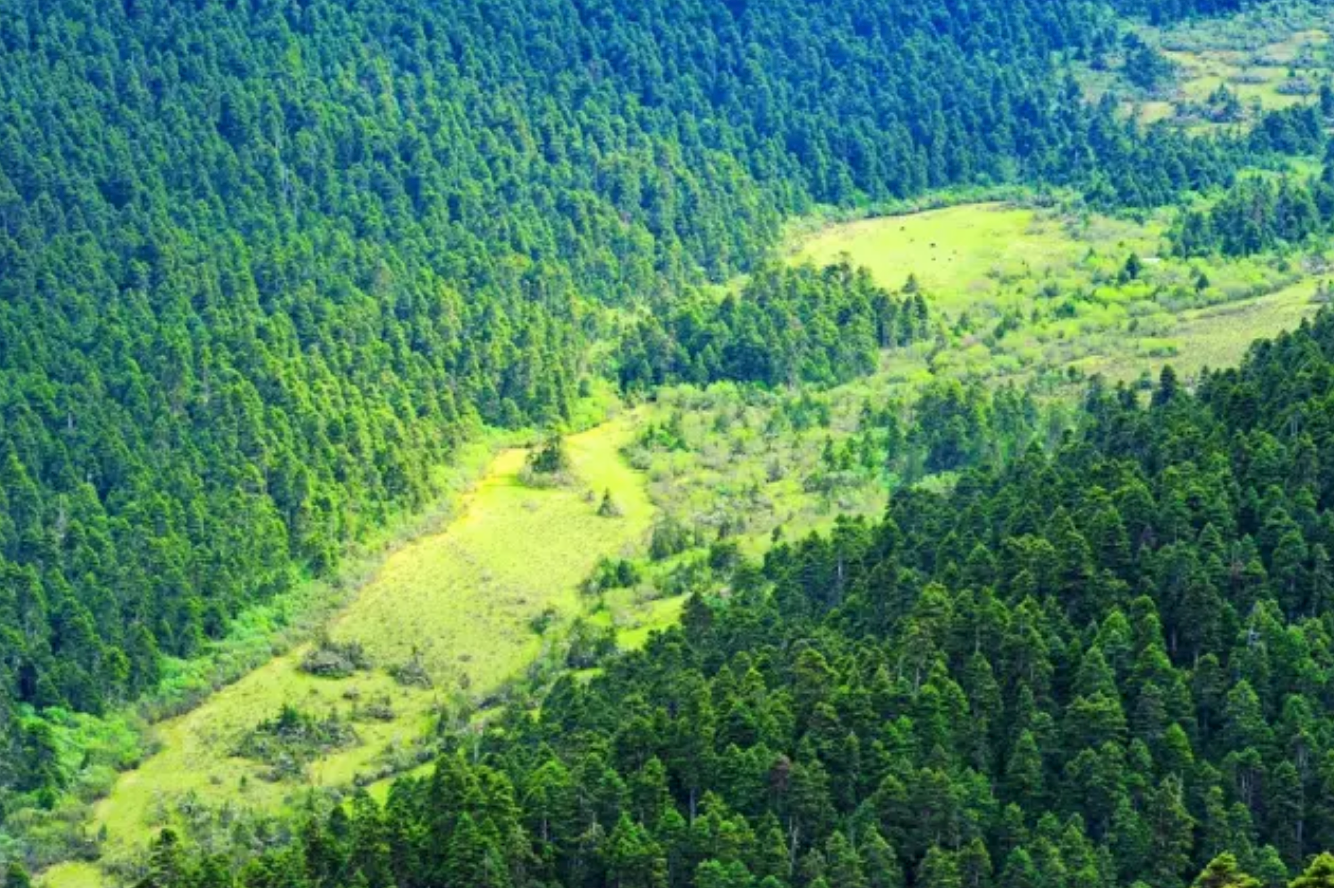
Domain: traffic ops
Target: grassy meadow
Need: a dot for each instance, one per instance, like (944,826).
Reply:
(1271,58)
(956,253)
(1032,291)
(1022,294)
(460,602)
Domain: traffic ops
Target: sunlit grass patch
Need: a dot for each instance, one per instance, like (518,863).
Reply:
(459,602)
(953,253)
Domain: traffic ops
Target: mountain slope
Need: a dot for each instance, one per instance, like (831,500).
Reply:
(1107,666)
(263,265)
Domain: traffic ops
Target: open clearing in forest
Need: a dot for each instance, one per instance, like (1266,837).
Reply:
(1220,335)
(1020,294)
(1275,75)
(460,600)
(955,253)
(1027,291)
(1270,58)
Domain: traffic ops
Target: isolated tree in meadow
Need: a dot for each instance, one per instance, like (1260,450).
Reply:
(1133,268)
(551,458)
(608,507)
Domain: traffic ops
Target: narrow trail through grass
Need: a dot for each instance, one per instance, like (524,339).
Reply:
(460,601)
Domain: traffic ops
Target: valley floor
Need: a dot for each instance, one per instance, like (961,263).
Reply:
(1020,293)
(1030,290)
(459,601)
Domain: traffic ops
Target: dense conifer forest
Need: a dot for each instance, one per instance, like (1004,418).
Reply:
(786,326)
(265,263)
(266,266)
(1256,215)
(1106,666)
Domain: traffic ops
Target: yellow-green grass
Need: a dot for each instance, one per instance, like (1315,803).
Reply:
(1060,277)
(1204,71)
(968,254)
(635,620)
(1153,111)
(658,616)
(1219,336)
(975,254)
(740,473)
(952,252)
(79,874)
(461,599)
(1252,57)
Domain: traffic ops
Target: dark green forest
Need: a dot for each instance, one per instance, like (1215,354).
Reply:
(786,326)
(1108,665)
(1255,214)
(265,264)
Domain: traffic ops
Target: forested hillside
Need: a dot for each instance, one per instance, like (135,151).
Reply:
(1255,215)
(786,326)
(1107,666)
(263,264)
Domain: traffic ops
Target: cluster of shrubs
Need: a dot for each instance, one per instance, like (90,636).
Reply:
(411,673)
(335,659)
(292,739)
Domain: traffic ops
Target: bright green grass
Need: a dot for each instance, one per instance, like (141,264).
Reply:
(735,472)
(76,874)
(1219,336)
(986,258)
(461,598)
(1057,274)
(1059,277)
(657,616)
(1254,75)
(955,253)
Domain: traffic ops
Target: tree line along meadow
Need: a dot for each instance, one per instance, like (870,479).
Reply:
(265,266)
